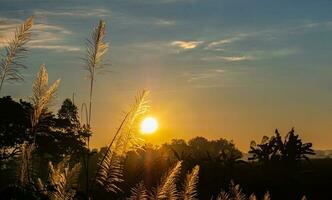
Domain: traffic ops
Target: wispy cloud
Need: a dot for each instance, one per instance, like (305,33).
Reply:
(7,27)
(129,19)
(208,74)
(218,44)
(236,58)
(206,78)
(275,53)
(48,27)
(229,58)
(167,1)
(45,36)
(51,37)
(59,48)
(76,12)
(222,42)
(162,22)
(186,44)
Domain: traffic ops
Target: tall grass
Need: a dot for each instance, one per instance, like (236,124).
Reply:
(42,95)
(167,189)
(24,173)
(110,170)
(235,193)
(96,49)
(190,185)
(11,64)
(63,179)
(139,192)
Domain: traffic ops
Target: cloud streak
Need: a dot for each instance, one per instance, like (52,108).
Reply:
(186,44)
(45,36)
(78,12)
(194,77)
(229,58)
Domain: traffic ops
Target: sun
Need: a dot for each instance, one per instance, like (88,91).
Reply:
(149,125)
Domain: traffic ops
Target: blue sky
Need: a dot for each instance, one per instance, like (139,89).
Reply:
(219,68)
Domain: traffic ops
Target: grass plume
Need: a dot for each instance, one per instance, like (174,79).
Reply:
(190,185)
(267,196)
(139,192)
(42,95)
(96,49)
(167,189)
(25,165)
(63,179)
(223,196)
(11,64)
(110,171)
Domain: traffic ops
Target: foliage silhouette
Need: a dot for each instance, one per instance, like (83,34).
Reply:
(289,152)
(14,125)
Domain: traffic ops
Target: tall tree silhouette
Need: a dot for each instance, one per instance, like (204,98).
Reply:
(294,149)
(289,151)
(14,122)
(61,135)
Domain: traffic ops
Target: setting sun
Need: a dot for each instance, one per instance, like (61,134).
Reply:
(149,125)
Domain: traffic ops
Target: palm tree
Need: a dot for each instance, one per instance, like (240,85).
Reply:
(289,151)
(294,149)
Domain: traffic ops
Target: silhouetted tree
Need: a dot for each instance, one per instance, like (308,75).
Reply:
(61,135)
(294,150)
(289,151)
(68,115)
(14,125)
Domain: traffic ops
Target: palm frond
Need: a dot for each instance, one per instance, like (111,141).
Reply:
(11,64)
(25,166)
(42,95)
(110,172)
(190,186)
(139,192)
(63,179)
(167,189)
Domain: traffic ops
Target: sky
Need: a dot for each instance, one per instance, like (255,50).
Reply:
(234,69)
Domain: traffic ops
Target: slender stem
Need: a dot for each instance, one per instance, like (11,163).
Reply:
(88,139)
(108,149)
(90,101)
(2,79)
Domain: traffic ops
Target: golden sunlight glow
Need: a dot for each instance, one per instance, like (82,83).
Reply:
(149,125)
